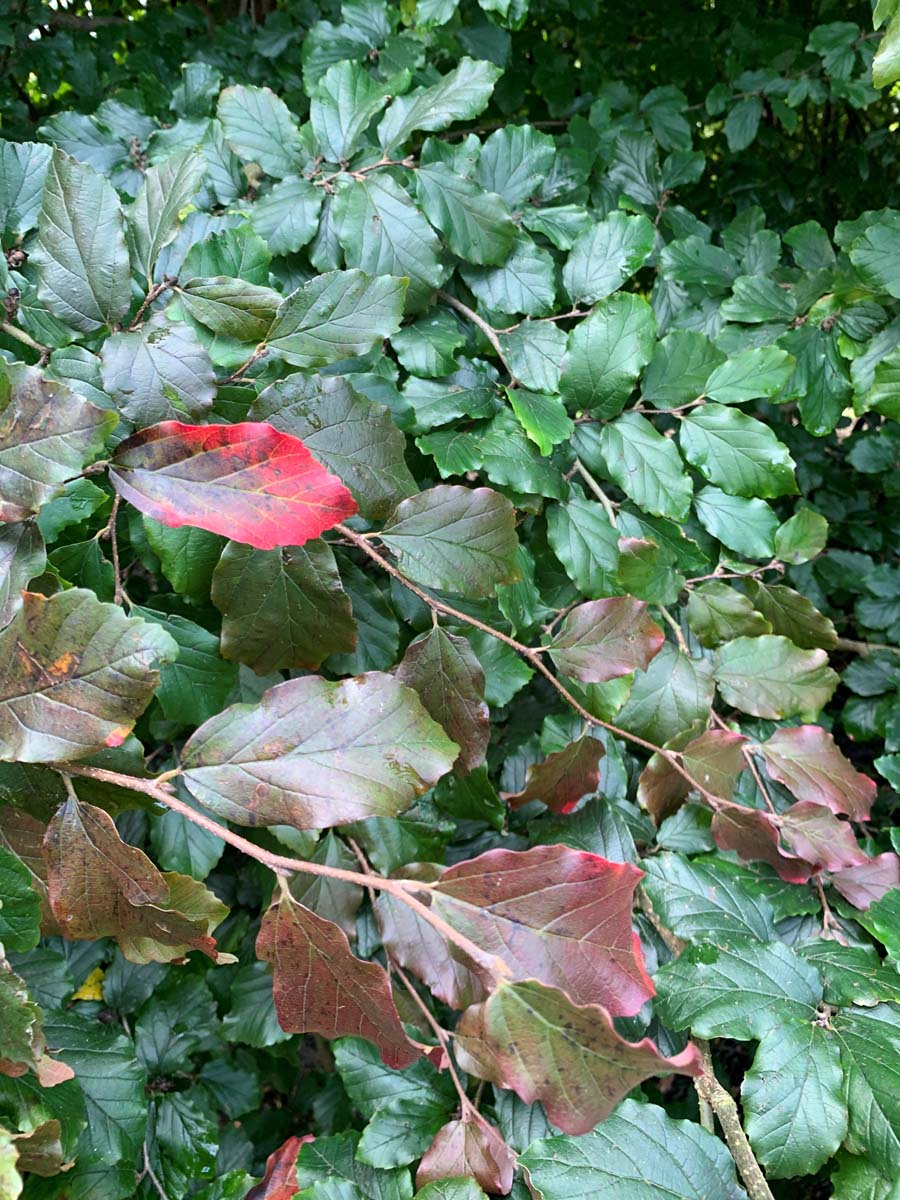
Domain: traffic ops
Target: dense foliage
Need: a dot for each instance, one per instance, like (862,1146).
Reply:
(449,672)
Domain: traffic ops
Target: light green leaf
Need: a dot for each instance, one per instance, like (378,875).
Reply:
(287,217)
(745,526)
(342,106)
(460,539)
(606,353)
(231,307)
(259,128)
(607,255)
(761,371)
(460,95)
(586,544)
(794,1111)
(525,283)
(337,316)
(769,676)
(159,373)
(737,452)
(154,216)
(81,256)
(740,991)
(476,224)
(543,418)
(23,168)
(646,466)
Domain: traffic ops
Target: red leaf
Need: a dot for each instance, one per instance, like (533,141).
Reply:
(810,765)
(551,913)
(754,835)
(713,759)
(280,1179)
(563,777)
(469,1148)
(605,639)
(864,884)
(819,837)
(532,1039)
(248,482)
(320,986)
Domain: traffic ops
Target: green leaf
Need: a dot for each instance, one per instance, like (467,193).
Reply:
(534,351)
(543,418)
(699,903)
(770,677)
(20,908)
(428,347)
(76,675)
(794,1111)
(525,283)
(23,168)
(187,556)
(199,682)
(460,95)
(287,217)
(514,162)
(868,1039)
(81,257)
(740,991)
(881,920)
(336,316)
(333,1161)
(182,846)
(737,452)
(160,373)
(342,106)
(742,123)
(792,615)
(745,526)
(231,307)
(718,613)
(680,368)
(606,256)
(757,299)
(112,1082)
(666,699)
(282,608)
(640,1151)
(443,670)
(353,437)
(260,129)
(153,218)
(459,539)
(801,537)
(606,353)
(876,254)
(761,371)
(511,458)
(382,232)
(476,224)
(287,761)
(22,557)
(586,544)
(646,466)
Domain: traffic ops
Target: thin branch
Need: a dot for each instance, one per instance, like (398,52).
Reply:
(533,657)
(488,330)
(863,648)
(282,865)
(675,627)
(711,1096)
(722,1103)
(466,1105)
(597,490)
(260,352)
(758,779)
(26,339)
(151,1175)
(110,532)
(831,929)
(152,296)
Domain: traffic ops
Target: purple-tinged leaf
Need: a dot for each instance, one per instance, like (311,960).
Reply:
(809,764)
(714,759)
(867,882)
(563,777)
(605,639)
(469,1148)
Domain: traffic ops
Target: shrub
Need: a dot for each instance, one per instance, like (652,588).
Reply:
(449,688)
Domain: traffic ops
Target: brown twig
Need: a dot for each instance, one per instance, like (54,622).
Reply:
(466,1105)
(260,352)
(747,752)
(109,531)
(402,889)
(26,339)
(488,330)
(533,657)
(598,491)
(152,296)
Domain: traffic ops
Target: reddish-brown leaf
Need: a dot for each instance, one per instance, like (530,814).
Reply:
(99,886)
(280,1179)
(714,759)
(605,639)
(320,986)
(248,482)
(534,1040)
(449,679)
(754,836)
(816,835)
(469,1148)
(809,764)
(862,885)
(24,836)
(563,777)
(551,913)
